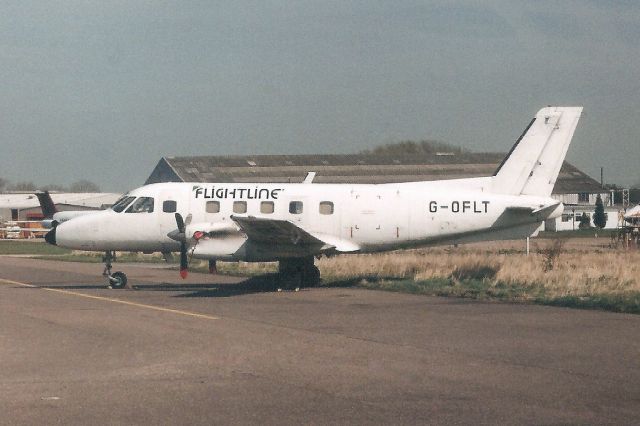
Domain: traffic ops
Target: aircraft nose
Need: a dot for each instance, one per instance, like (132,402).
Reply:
(50,237)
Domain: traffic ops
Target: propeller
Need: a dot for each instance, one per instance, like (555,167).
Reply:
(184,263)
(180,235)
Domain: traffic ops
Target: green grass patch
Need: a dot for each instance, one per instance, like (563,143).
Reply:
(624,303)
(30,247)
(487,289)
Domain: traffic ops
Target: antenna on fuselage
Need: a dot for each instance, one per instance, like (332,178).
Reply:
(310,177)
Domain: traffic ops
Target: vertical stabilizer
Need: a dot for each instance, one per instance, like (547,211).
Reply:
(46,204)
(533,164)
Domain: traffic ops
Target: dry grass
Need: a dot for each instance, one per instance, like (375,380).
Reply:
(580,270)
(575,272)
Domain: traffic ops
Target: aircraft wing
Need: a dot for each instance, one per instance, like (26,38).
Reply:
(278,233)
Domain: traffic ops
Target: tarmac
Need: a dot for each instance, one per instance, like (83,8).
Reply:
(224,350)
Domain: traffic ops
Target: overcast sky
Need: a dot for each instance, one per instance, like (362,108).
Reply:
(101,90)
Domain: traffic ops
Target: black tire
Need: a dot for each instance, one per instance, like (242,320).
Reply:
(290,280)
(312,277)
(118,280)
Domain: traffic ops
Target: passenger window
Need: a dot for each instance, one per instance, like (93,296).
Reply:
(122,203)
(169,206)
(239,206)
(326,207)
(266,207)
(295,207)
(213,207)
(141,205)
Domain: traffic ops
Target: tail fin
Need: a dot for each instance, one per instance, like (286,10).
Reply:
(533,164)
(46,204)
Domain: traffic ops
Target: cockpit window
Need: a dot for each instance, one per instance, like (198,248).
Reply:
(122,203)
(141,205)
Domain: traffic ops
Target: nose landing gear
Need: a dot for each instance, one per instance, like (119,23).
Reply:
(117,280)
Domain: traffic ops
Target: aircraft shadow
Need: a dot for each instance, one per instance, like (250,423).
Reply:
(267,283)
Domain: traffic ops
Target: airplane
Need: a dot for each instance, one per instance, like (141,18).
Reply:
(632,216)
(53,217)
(293,223)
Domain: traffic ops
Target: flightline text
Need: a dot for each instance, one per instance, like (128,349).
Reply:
(256,193)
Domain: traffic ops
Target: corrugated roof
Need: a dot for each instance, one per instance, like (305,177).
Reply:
(349,168)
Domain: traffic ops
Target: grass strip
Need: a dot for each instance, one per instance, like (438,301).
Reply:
(489,290)
(8,247)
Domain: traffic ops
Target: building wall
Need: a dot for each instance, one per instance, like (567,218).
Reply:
(582,199)
(570,219)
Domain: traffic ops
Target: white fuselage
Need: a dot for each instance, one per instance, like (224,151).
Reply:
(352,218)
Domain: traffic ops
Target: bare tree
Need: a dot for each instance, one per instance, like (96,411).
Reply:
(84,186)
(22,186)
(3,184)
(54,187)
(414,148)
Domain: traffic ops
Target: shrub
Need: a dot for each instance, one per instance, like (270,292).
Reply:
(476,271)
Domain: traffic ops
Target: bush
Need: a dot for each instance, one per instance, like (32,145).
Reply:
(475,272)
(585,221)
(551,254)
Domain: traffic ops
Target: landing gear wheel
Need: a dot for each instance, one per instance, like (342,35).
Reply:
(118,280)
(291,281)
(312,277)
(298,273)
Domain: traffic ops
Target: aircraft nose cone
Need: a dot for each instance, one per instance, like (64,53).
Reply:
(50,237)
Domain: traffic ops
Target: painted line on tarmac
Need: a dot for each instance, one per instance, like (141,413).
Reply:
(112,300)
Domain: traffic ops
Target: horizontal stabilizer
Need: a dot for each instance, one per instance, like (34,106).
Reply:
(540,212)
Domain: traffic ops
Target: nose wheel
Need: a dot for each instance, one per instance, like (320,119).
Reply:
(117,280)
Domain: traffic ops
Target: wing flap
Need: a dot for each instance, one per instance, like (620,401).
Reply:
(276,232)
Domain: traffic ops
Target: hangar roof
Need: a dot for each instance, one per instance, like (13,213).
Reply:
(354,168)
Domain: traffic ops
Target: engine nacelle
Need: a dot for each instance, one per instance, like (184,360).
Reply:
(209,230)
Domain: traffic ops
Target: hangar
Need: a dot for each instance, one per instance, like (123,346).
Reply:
(574,188)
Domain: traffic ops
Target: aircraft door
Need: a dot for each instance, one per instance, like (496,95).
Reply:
(325,216)
(374,218)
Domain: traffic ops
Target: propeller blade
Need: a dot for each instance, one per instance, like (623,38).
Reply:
(184,262)
(180,222)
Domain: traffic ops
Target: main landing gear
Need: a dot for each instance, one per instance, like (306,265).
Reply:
(117,279)
(297,273)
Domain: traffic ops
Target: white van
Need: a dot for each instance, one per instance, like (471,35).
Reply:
(13,232)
